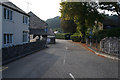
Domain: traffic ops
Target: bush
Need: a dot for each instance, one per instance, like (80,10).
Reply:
(60,36)
(114,32)
(76,38)
(65,36)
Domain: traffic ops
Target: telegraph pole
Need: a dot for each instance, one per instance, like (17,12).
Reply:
(28,5)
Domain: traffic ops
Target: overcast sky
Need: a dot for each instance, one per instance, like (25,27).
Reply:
(44,9)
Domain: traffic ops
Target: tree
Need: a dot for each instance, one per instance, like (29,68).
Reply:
(68,26)
(84,15)
(110,6)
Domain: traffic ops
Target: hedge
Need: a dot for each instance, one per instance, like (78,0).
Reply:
(76,37)
(114,32)
(65,36)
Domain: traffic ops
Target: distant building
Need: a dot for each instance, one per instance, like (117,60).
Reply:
(51,36)
(38,28)
(14,26)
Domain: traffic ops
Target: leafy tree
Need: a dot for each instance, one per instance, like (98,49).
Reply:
(84,15)
(68,26)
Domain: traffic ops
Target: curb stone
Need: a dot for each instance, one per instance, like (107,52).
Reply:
(100,53)
(104,55)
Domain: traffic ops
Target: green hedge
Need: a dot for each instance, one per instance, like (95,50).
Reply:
(114,32)
(76,37)
(65,36)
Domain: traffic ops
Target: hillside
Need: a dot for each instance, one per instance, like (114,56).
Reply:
(54,23)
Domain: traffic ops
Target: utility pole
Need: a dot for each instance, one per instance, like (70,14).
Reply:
(28,4)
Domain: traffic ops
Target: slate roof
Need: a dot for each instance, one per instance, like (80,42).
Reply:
(13,7)
(50,32)
(36,22)
(37,31)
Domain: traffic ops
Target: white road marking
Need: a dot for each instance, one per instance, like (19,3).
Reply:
(65,56)
(72,76)
(66,48)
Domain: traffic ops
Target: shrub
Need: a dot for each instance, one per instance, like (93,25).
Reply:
(76,38)
(65,36)
(114,32)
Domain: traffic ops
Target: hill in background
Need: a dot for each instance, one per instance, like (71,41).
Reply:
(54,23)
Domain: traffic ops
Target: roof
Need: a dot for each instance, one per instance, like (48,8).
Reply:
(37,31)
(12,6)
(50,32)
(36,22)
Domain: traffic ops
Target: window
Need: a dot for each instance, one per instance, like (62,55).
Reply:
(8,38)
(8,14)
(5,38)
(25,36)
(26,20)
(5,12)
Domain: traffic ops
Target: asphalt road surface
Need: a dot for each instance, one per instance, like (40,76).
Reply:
(62,60)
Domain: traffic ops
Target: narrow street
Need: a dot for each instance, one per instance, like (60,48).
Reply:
(62,60)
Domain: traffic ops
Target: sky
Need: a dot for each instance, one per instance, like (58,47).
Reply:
(44,9)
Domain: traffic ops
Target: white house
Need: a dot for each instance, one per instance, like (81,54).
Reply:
(0,27)
(15,25)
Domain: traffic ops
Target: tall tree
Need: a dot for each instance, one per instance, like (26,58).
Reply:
(68,26)
(84,14)
(110,6)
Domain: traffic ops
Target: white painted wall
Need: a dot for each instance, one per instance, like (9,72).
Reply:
(16,27)
(0,40)
(0,26)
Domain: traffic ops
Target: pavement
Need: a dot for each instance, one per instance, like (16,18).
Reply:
(62,60)
(97,52)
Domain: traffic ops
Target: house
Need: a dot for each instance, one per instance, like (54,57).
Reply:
(38,28)
(51,36)
(14,26)
(0,27)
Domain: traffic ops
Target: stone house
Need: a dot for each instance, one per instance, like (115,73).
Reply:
(38,28)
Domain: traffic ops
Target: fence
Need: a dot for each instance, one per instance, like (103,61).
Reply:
(19,50)
(110,45)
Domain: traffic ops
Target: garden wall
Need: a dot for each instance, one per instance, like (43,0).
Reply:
(110,45)
(21,50)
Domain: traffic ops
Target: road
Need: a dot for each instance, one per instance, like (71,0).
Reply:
(62,60)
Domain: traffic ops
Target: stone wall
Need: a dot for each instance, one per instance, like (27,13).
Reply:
(19,50)
(110,45)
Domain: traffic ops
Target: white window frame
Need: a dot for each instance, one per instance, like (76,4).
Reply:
(26,37)
(26,20)
(10,41)
(10,16)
